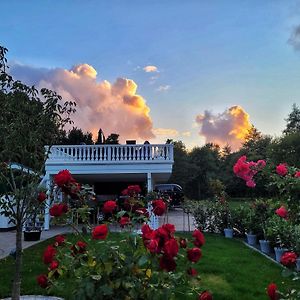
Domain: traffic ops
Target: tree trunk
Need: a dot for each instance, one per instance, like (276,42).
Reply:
(16,289)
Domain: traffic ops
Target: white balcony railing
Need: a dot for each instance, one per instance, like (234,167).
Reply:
(111,153)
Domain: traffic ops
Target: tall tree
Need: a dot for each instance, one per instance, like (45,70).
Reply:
(293,121)
(27,123)
(100,138)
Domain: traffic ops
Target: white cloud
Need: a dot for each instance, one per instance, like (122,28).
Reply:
(150,69)
(163,88)
(166,132)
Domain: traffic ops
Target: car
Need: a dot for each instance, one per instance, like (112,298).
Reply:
(174,191)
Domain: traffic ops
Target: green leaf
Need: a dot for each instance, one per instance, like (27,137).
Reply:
(143,260)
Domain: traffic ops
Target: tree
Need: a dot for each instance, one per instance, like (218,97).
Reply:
(112,139)
(27,123)
(293,121)
(100,138)
(76,137)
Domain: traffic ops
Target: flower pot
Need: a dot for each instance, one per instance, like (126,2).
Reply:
(251,239)
(298,264)
(228,233)
(265,246)
(34,297)
(279,252)
(32,235)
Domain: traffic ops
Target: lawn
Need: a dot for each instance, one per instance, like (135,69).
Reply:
(229,269)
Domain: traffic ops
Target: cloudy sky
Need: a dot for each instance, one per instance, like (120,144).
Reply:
(197,71)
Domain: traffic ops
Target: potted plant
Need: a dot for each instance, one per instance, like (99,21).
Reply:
(280,234)
(251,227)
(225,217)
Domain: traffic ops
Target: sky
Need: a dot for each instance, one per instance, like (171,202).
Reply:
(196,71)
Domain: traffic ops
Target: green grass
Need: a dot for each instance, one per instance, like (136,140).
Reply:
(229,269)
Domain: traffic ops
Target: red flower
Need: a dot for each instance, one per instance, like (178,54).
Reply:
(152,245)
(54,265)
(147,232)
(288,259)
(170,228)
(194,254)
(281,169)
(124,221)
(100,232)
(62,178)
(109,206)
(192,272)
(251,183)
(205,296)
(42,281)
(182,243)
(272,291)
(80,247)
(58,209)
(199,238)
(124,192)
(59,240)
(171,247)
(297,174)
(41,197)
(49,254)
(133,189)
(282,212)
(167,263)
(159,207)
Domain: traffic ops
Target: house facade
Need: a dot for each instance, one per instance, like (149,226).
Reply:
(110,165)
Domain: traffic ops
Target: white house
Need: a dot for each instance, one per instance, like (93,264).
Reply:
(148,163)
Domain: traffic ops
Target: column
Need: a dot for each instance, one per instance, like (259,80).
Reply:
(149,182)
(48,202)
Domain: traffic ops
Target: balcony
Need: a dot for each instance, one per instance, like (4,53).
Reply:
(111,154)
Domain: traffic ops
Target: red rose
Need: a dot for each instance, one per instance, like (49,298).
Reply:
(80,247)
(281,169)
(54,265)
(192,272)
(272,291)
(251,183)
(171,247)
(133,189)
(297,174)
(41,197)
(152,245)
(49,254)
(59,240)
(282,212)
(62,178)
(205,296)
(167,263)
(199,238)
(147,232)
(58,209)
(124,221)
(194,254)
(109,206)
(100,232)
(42,281)
(182,243)
(288,259)
(170,228)
(159,207)
(124,192)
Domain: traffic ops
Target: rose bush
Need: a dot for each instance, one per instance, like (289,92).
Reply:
(135,267)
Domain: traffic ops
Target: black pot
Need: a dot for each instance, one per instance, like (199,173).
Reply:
(32,235)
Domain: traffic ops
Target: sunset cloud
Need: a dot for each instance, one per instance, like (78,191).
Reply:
(150,69)
(114,107)
(229,127)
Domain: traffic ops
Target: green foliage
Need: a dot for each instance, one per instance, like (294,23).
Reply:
(76,136)
(113,139)
(293,121)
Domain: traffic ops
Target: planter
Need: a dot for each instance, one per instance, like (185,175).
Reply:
(265,246)
(298,264)
(228,233)
(251,239)
(279,252)
(32,235)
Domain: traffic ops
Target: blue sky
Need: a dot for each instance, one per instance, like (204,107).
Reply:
(210,55)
